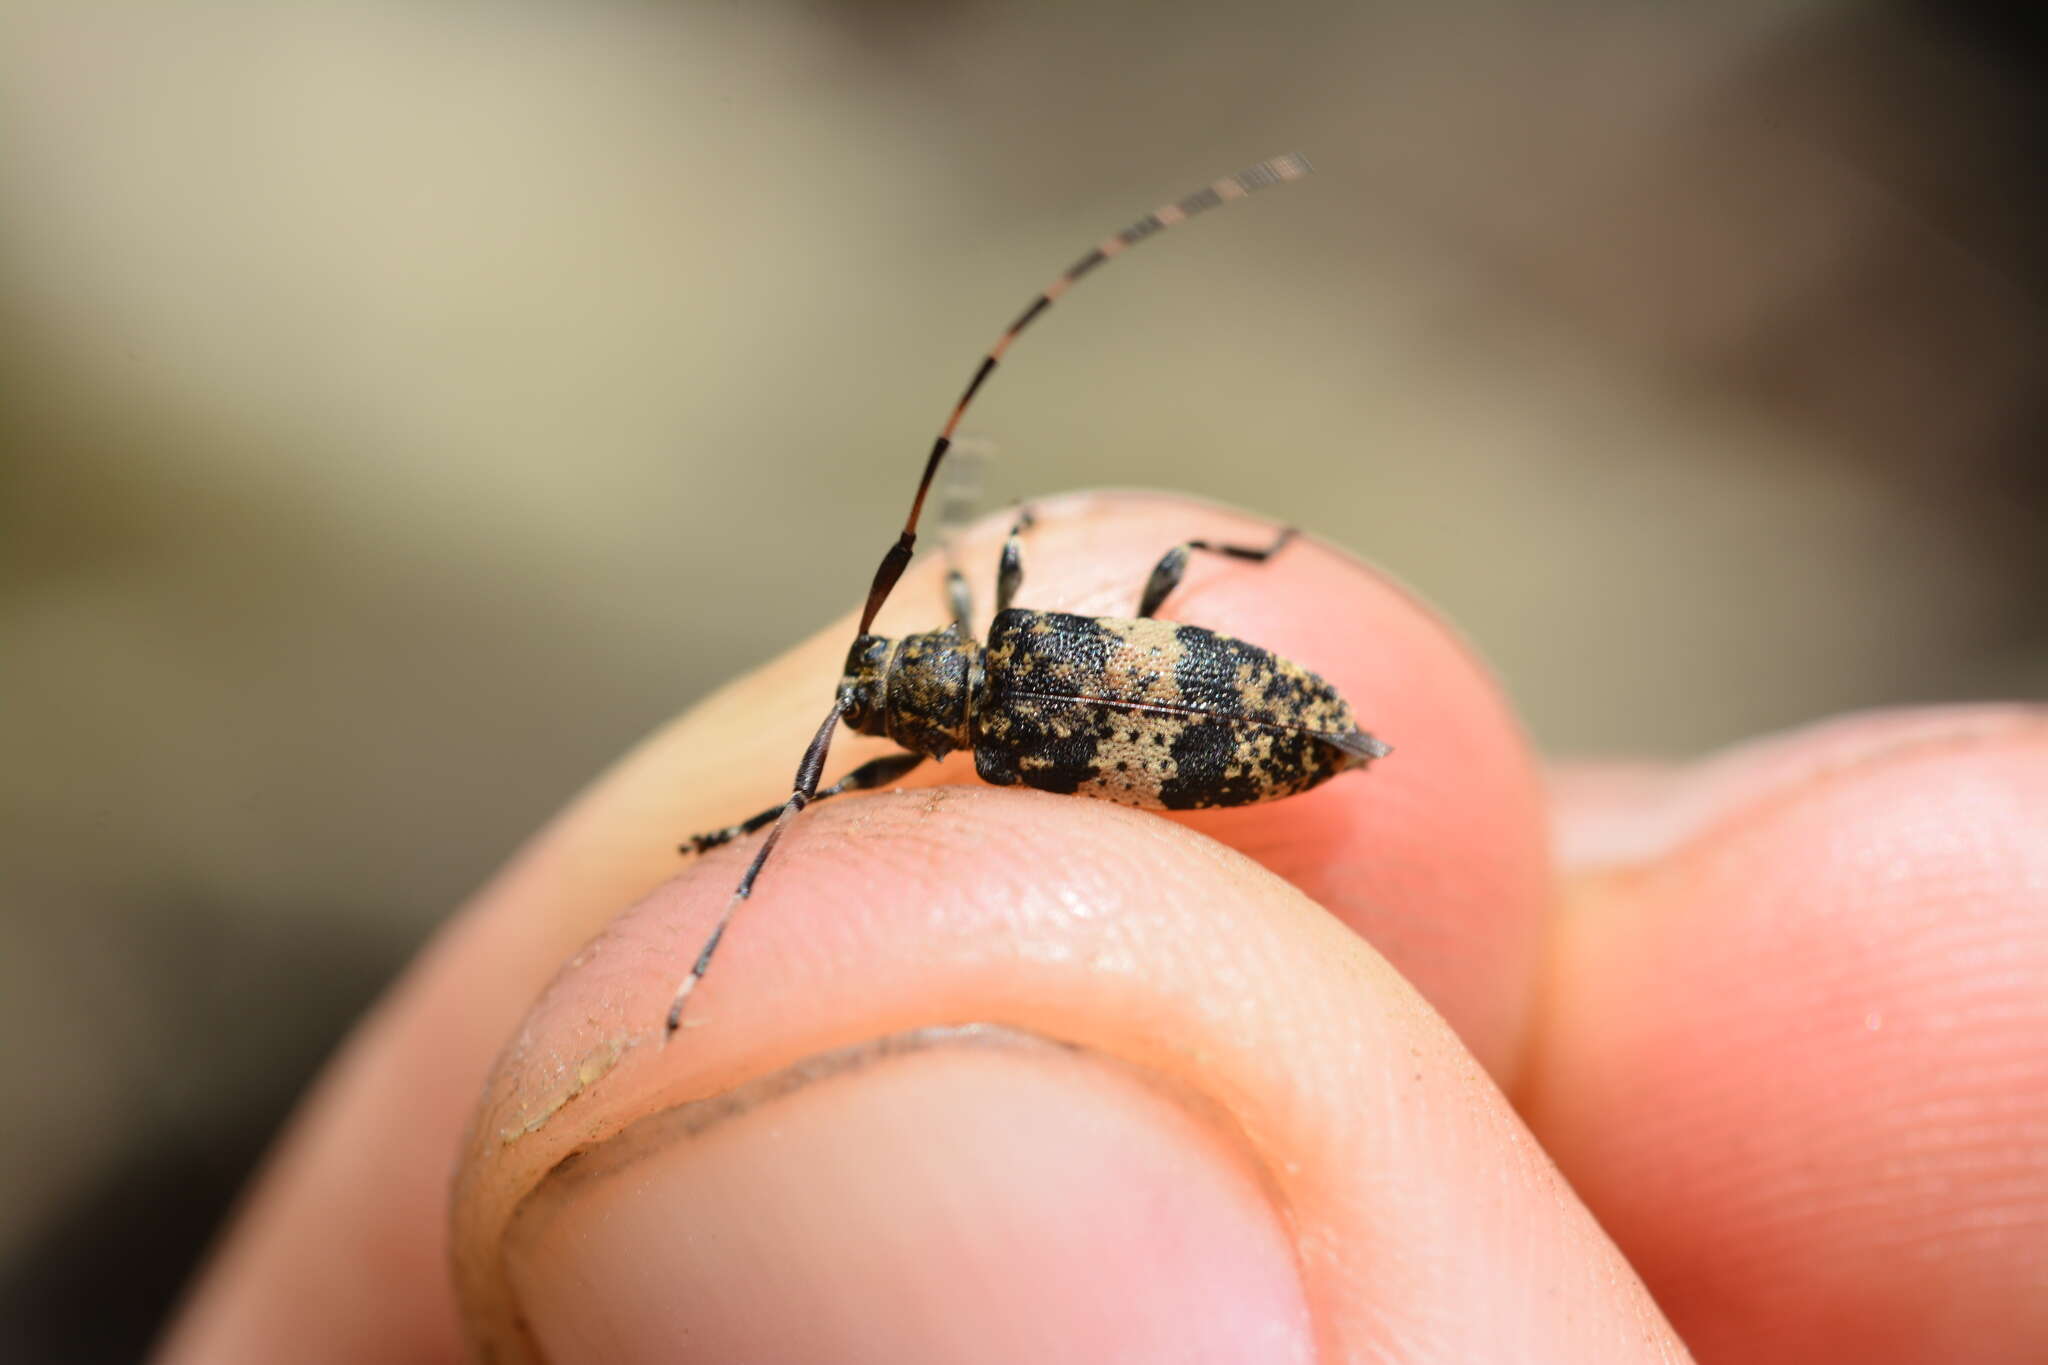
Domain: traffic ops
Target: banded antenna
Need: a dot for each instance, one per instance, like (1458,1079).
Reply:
(1250,180)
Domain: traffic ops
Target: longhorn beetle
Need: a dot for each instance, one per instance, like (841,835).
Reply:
(1143,712)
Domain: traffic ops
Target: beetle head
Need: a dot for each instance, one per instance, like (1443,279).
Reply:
(862,688)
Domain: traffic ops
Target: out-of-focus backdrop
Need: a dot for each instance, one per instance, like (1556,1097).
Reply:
(404,406)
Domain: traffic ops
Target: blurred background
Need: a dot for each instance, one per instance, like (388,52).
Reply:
(404,406)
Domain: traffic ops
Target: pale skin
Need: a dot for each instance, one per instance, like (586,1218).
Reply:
(1281,1082)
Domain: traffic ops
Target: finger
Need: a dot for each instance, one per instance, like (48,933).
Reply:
(1438,854)
(1171,1111)
(1795,1053)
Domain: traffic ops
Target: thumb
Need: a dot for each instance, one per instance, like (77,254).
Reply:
(1004,1077)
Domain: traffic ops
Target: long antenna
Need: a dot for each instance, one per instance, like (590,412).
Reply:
(1250,180)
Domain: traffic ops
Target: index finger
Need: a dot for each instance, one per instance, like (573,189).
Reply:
(1437,855)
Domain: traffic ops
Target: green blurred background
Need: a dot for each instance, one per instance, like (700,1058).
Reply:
(404,406)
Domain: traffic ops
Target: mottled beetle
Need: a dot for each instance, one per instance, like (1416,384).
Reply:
(1140,711)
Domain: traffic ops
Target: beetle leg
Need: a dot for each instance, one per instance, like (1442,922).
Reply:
(879,772)
(959,601)
(1010,569)
(1166,576)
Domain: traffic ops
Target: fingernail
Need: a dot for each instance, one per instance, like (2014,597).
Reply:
(964,1194)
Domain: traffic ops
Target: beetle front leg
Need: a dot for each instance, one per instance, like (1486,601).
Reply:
(1166,576)
(1010,569)
(959,599)
(959,491)
(879,772)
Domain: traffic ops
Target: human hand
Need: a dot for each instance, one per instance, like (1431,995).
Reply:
(1781,1020)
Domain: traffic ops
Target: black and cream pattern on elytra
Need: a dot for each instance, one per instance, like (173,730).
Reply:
(1154,714)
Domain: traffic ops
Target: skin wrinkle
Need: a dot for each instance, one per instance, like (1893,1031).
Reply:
(655,1131)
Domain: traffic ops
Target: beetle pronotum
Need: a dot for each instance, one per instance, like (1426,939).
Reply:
(1141,711)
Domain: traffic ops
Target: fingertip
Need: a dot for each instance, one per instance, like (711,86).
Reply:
(1439,853)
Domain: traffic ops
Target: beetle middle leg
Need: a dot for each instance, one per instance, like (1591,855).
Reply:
(960,600)
(959,492)
(1166,576)
(878,772)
